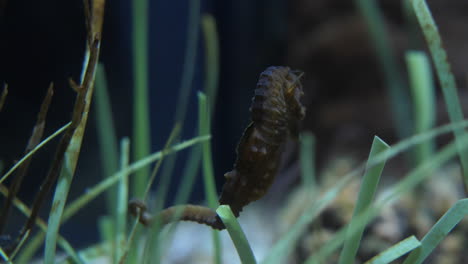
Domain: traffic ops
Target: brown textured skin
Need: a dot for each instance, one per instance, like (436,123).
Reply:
(276,112)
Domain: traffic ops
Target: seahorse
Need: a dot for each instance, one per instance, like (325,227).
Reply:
(276,112)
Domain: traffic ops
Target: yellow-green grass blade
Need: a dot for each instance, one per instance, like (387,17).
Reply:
(106,134)
(394,252)
(141,128)
(424,105)
(439,231)
(444,73)
(122,201)
(366,195)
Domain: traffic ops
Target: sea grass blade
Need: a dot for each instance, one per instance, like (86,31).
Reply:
(34,150)
(237,235)
(439,231)
(107,138)
(394,252)
(208,174)
(424,105)
(366,195)
(444,73)
(141,129)
(131,249)
(69,160)
(122,201)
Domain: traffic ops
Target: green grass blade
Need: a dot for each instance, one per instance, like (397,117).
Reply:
(366,194)
(39,146)
(395,251)
(106,134)
(422,88)
(106,229)
(438,232)
(210,35)
(399,98)
(444,73)
(308,160)
(207,162)
(122,201)
(237,235)
(141,121)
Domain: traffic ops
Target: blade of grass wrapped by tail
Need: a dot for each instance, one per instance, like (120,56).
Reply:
(69,159)
(130,247)
(366,194)
(307,159)
(399,98)
(207,166)
(34,140)
(424,105)
(237,235)
(186,81)
(106,134)
(394,252)
(444,73)
(141,130)
(3,96)
(28,252)
(438,232)
(409,182)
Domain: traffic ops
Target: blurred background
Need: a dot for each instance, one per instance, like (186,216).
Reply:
(346,89)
